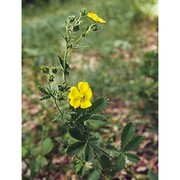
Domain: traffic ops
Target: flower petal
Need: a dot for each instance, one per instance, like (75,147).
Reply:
(85,104)
(83,87)
(74,93)
(88,94)
(75,102)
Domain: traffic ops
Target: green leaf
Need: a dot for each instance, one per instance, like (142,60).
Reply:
(64,117)
(43,90)
(98,105)
(96,148)
(79,166)
(127,133)
(133,143)
(24,151)
(61,61)
(97,117)
(75,148)
(76,134)
(42,162)
(45,98)
(95,175)
(152,175)
(120,162)
(105,161)
(112,148)
(47,146)
(88,152)
(83,118)
(132,157)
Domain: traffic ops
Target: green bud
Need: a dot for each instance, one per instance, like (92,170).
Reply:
(71,18)
(54,70)
(84,34)
(76,28)
(51,78)
(45,69)
(95,27)
(83,11)
(60,87)
(70,46)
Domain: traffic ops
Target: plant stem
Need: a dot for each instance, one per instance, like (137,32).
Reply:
(54,99)
(57,105)
(106,153)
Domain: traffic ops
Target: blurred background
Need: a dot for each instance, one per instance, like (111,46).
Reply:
(120,63)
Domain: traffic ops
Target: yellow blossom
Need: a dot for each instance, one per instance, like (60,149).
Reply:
(95,17)
(81,96)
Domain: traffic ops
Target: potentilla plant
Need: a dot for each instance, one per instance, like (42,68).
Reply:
(92,157)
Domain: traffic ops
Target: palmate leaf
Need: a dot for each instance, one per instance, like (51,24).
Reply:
(43,90)
(75,148)
(105,161)
(95,175)
(65,116)
(120,162)
(132,157)
(88,152)
(127,133)
(45,98)
(133,143)
(76,134)
(97,117)
(98,105)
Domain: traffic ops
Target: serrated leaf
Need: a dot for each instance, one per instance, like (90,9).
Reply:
(75,148)
(79,166)
(88,152)
(89,116)
(98,105)
(43,90)
(133,143)
(47,146)
(132,157)
(76,134)
(112,148)
(96,148)
(61,61)
(97,117)
(152,175)
(127,133)
(83,118)
(95,175)
(65,116)
(105,161)
(45,98)
(120,163)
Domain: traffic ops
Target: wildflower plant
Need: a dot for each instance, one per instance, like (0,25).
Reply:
(92,157)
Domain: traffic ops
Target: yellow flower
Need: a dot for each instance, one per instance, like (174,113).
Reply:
(81,96)
(95,17)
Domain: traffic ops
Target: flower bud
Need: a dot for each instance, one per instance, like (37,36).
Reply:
(45,69)
(71,18)
(51,78)
(60,87)
(83,11)
(94,27)
(54,70)
(76,27)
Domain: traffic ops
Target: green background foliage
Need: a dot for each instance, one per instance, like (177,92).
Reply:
(119,61)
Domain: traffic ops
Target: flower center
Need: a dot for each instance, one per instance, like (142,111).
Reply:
(82,96)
